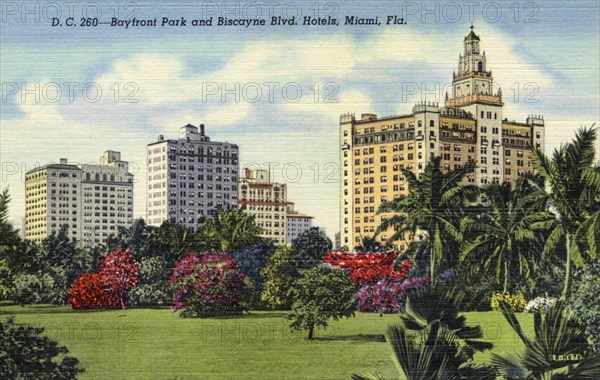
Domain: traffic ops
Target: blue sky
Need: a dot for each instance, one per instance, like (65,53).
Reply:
(544,56)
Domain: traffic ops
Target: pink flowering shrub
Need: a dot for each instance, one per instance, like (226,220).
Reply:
(208,284)
(388,296)
(119,274)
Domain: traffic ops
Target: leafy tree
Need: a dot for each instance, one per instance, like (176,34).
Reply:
(433,353)
(280,274)
(251,260)
(559,349)
(228,231)
(573,199)
(310,248)
(26,354)
(504,239)
(129,237)
(321,294)
(432,209)
(58,248)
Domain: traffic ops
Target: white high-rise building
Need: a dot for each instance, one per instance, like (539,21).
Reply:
(92,200)
(190,177)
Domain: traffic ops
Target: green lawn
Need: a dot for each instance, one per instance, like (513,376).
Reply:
(156,344)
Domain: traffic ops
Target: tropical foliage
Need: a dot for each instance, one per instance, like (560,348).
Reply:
(573,200)
(228,231)
(559,349)
(515,301)
(432,211)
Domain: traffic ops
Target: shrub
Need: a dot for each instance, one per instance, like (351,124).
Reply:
(368,268)
(26,354)
(539,304)
(88,292)
(152,288)
(119,274)
(49,286)
(516,301)
(321,294)
(208,285)
(388,296)
(584,302)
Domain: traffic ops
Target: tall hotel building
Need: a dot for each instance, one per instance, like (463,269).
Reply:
(190,177)
(469,127)
(92,200)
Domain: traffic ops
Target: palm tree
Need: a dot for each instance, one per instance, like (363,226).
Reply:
(228,231)
(432,210)
(502,236)
(433,353)
(441,304)
(572,199)
(558,351)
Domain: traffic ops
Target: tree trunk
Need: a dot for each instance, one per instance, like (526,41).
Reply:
(567,269)
(431,264)
(505,276)
(311,332)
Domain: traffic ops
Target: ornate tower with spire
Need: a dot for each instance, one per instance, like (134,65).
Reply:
(473,81)
(473,90)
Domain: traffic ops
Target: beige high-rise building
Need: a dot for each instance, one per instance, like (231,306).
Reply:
(190,177)
(92,200)
(469,127)
(266,201)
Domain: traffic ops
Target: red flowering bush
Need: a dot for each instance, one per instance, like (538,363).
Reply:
(368,268)
(388,296)
(87,292)
(208,284)
(119,274)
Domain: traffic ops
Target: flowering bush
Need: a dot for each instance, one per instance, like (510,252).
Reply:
(540,304)
(208,284)
(87,292)
(516,301)
(388,296)
(119,274)
(368,268)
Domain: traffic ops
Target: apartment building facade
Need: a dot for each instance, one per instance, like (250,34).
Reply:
(92,200)
(190,177)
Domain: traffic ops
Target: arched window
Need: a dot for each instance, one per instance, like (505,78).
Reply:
(480,66)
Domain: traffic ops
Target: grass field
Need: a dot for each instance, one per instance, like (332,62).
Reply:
(156,344)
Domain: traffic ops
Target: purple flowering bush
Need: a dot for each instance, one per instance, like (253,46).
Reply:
(209,284)
(388,296)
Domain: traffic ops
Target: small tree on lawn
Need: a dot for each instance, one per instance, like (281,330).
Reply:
(119,274)
(321,294)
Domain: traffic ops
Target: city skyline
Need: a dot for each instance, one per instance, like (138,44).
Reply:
(358,68)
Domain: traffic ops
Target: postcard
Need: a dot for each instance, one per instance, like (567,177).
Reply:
(299,189)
